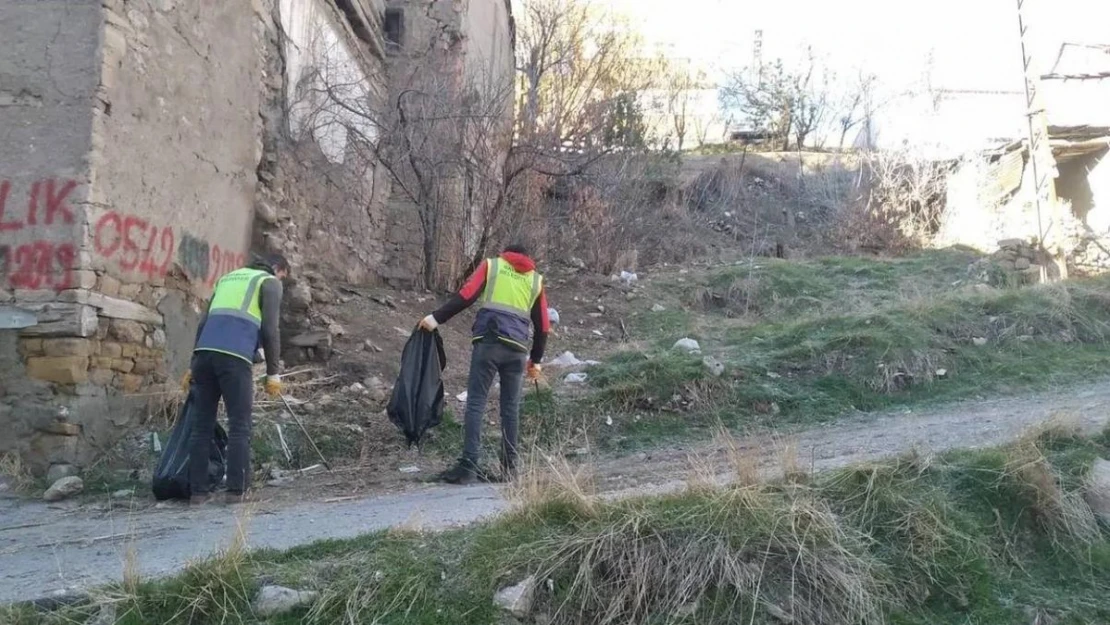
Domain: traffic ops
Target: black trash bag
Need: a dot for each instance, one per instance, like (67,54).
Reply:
(171,475)
(417,400)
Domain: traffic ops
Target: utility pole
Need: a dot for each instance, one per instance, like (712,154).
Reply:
(1041,161)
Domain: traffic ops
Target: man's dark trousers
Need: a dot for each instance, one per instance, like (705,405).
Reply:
(493,357)
(217,375)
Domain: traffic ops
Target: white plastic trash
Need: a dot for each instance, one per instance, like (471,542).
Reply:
(553,316)
(688,345)
(576,378)
(628,277)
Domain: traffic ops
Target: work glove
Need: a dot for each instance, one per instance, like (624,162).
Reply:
(429,323)
(533,371)
(186,380)
(273,385)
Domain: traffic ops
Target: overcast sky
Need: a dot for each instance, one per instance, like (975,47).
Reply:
(974,43)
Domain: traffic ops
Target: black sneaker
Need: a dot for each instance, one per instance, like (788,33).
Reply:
(465,472)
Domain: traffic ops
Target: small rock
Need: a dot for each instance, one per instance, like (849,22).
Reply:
(274,600)
(979,341)
(690,346)
(356,388)
(300,296)
(1097,492)
(716,367)
(58,471)
(63,488)
(576,378)
(658,308)
(517,600)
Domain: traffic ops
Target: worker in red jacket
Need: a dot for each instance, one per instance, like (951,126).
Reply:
(512,304)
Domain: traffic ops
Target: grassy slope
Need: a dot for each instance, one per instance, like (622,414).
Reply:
(809,341)
(989,537)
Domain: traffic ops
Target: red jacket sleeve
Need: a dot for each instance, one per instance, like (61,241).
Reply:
(466,296)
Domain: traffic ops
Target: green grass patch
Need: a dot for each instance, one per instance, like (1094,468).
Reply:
(988,537)
(807,369)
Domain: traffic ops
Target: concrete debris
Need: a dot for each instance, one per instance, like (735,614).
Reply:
(576,378)
(688,345)
(568,359)
(715,367)
(1097,492)
(275,600)
(553,316)
(517,600)
(63,488)
(658,308)
(59,471)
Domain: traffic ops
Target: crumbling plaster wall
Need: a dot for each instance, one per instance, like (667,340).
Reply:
(137,150)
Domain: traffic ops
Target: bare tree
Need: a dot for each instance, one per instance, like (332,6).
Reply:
(787,103)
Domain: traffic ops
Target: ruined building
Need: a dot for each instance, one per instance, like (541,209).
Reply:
(149,146)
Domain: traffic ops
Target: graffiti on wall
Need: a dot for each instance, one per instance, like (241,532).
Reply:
(133,245)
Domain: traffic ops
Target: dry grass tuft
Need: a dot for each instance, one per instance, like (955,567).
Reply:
(15,473)
(717,556)
(1063,514)
(550,478)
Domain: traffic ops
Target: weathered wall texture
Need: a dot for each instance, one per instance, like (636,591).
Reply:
(149,147)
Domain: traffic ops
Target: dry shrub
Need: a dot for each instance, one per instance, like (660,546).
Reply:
(717,556)
(902,207)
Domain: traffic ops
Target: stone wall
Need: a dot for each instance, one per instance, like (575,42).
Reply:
(150,147)
(138,162)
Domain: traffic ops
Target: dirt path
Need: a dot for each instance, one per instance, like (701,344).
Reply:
(50,548)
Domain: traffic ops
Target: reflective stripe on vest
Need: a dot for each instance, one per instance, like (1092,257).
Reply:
(237,295)
(510,291)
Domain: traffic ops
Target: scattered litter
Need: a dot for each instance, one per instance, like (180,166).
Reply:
(600,308)
(123,494)
(628,277)
(657,308)
(462,396)
(942,372)
(576,378)
(316,468)
(284,447)
(608,420)
(409,469)
(690,346)
(598,333)
(155,442)
(773,375)
(568,359)
(553,316)
(338,499)
(401,332)
(979,341)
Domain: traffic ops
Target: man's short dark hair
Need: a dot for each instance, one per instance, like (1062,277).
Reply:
(517,247)
(273,262)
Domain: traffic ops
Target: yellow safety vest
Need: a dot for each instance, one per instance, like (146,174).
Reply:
(510,291)
(235,315)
